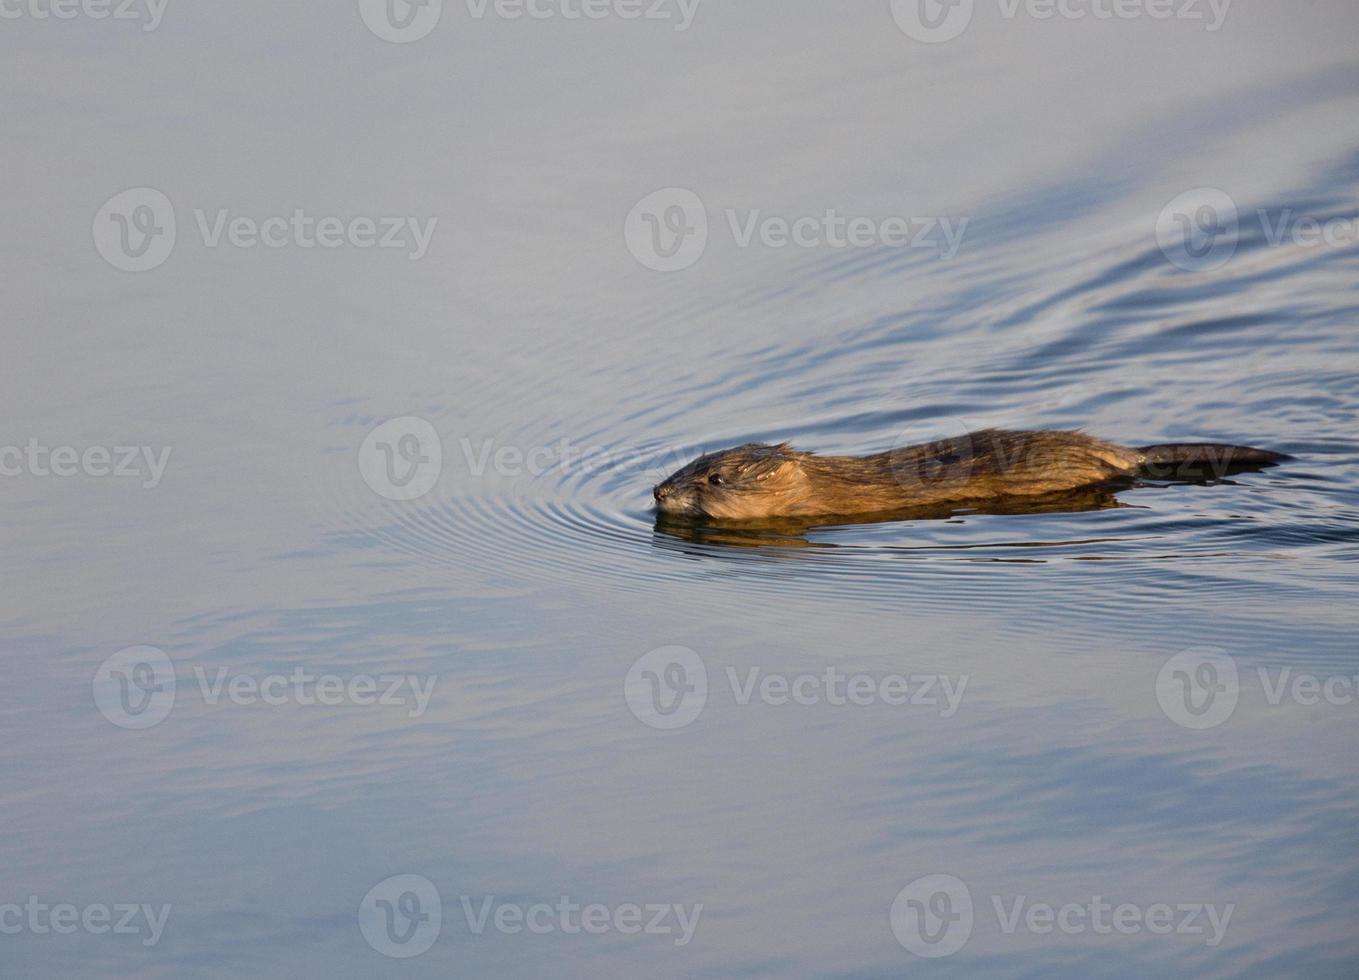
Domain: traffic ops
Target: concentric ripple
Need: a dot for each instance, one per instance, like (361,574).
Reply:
(1110,340)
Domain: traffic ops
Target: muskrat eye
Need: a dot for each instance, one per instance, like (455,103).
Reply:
(716,479)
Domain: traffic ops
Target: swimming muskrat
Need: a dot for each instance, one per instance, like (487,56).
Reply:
(756,480)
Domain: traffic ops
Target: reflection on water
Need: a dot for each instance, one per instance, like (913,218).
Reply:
(1151,686)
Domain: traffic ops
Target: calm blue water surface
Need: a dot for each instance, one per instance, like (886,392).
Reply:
(525,758)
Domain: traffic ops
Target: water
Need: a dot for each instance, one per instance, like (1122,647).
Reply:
(1037,761)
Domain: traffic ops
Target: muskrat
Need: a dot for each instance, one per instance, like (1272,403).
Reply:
(756,480)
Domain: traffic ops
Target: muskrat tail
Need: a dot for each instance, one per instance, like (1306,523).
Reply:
(1199,460)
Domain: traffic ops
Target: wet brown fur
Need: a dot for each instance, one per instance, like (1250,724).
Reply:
(756,481)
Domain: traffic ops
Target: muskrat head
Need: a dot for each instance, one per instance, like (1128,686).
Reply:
(750,481)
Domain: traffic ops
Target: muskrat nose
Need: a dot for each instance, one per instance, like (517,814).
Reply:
(660,491)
